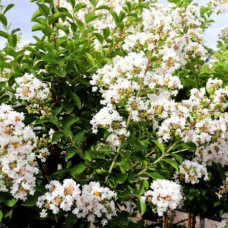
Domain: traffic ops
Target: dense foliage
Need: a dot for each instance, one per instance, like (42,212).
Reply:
(118,108)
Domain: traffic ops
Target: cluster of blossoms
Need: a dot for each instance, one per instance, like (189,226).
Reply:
(31,89)
(223,224)
(219,6)
(201,119)
(110,119)
(191,172)
(18,165)
(177,28)
(93,202)
(141,84)
(164,195)
(223,34)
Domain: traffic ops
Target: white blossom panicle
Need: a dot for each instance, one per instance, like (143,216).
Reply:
(144,77)
(29,88)
(219,6)
(201,119)
(17,158)
(96,203)
(59,196)
(215,152)
(191,172)
(223,34)
(165,195)
(93,203)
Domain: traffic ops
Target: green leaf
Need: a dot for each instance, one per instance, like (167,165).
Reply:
(122,178)
(2,84)
(4,34)
(142,206)
(70,220)
(91,59)
(56,136)
(10,203)
(79,6)
(217,203)
(78,170)
(171,162)
(53,18)
(71,151)
(31,200)
(154,175)
(79,137)
(3,20)
(178,158)
(10,6)
(4,99)
(80,24)
(144,187)
(12,39)
(106,33)
(80,41)
(44,9)
(57,110)
(160,146)
(90,17)
(36,14)
(45,29)
(59,174)
(61,73)
(1,215)
(69,122)
(115,16)
(93,2)
(102,7)
(88,155)
(75,99)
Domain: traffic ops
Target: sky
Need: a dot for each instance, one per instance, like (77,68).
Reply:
(20,16)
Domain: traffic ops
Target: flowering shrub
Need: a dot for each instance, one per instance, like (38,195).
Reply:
(115,97)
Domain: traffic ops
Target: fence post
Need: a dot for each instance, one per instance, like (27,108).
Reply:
(202,222)
(189,220)
(193,221)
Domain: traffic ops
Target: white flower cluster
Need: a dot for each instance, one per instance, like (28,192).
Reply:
(18,165)
(93,202)
(143,80)
(110,119)
(223,224)
(119,84)
(223,34)
(191,172)
(201,119)
(29,88)
(219,6)
(178,29)
(164,195)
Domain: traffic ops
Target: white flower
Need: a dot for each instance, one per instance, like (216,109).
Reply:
(164,195)
(93,203)
(30,88)
(17,159)
(191,172)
